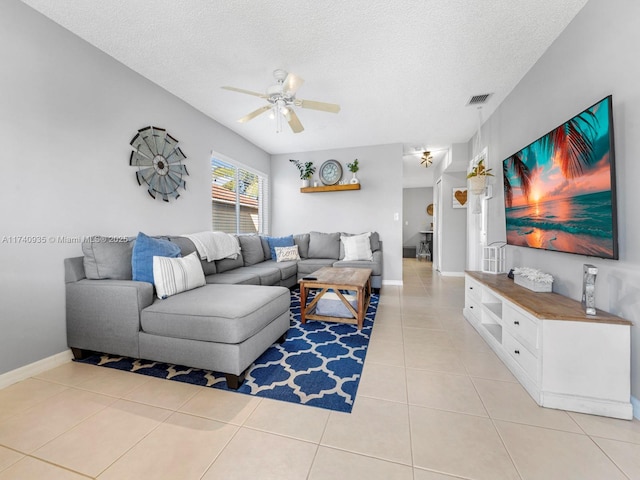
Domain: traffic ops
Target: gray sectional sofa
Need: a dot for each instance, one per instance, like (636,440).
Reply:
(223,326)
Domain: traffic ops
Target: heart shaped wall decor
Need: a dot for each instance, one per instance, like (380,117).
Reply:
(461,196)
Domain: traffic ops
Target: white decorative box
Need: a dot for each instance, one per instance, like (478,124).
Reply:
(531,284)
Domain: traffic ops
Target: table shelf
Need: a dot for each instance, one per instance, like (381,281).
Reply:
(330,188)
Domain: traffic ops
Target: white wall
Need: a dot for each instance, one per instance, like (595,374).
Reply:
(450,233)
(595,56)
(414,214)
(454,226)
(370,209)
(67,115)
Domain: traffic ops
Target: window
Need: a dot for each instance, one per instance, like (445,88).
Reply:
(239,198)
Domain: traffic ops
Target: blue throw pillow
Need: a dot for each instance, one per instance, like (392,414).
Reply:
(144,250)
(279,242)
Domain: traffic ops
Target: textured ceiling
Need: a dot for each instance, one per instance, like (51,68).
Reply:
(402,71)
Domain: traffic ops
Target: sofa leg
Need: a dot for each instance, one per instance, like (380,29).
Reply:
(234,381)
(79,353)
(282,339)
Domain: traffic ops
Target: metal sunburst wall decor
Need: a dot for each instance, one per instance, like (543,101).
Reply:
(159,161)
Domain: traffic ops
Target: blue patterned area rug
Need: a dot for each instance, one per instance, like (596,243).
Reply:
(319,364)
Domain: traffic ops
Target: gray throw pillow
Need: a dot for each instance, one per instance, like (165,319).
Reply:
(324,245)
(105,259)
(227,264)
(266,248)
(375,241)
(251,247)
(187,247)
(302,241)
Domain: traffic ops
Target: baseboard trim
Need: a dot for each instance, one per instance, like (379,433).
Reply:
(452,274)
(592,406)
(635,403)
(392,282)
(22,373)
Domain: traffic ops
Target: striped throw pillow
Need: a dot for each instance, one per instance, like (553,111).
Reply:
(175,275)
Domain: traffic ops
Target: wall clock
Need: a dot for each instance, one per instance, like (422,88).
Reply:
(159,161)
(330,172)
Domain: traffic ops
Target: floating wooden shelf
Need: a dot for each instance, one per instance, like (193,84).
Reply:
(330,188)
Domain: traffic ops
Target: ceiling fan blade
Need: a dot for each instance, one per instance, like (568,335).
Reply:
(254,114)
(323,106)
(292,83)
(294,121)
(248,92)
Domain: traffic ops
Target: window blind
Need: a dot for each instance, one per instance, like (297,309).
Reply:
(239,198)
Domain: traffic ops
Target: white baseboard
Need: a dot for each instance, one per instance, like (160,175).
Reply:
(592,406)
(392,282)
(22,373)
(635,403)
(452,274)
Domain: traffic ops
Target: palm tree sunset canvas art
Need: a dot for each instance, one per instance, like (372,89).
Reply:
(560,190)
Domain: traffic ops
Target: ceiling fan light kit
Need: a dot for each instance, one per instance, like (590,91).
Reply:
(282,98)
(426,159)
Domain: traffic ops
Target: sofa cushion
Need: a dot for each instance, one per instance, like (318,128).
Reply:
(278,242)
(265,248)
(302,241)
(287,254)
(376,267)
(233,277)
(216,313)
(105,259)
(266,276)
(144,249)
(310,265)
(251,248)
(187,247)
(227,264)
(356,247)
(324,245)
(287,269)
(175,275)
(375,241)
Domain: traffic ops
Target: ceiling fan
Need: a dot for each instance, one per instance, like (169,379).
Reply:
(426,156)
(426,159)
(282,99)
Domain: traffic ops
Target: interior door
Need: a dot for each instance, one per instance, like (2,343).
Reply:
(437,231)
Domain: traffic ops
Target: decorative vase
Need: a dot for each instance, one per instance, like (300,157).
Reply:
(305,182)
(589,288)
(477,184)
(354,180)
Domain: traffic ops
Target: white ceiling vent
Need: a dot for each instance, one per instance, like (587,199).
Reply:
(479,99)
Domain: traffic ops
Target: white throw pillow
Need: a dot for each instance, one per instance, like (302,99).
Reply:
(357,247)
(287,254)
(175,275)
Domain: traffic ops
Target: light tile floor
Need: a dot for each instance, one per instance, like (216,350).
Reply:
(434,403)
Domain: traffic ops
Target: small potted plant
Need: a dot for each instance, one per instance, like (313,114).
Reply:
(353,168)
(306,171)
(478,177)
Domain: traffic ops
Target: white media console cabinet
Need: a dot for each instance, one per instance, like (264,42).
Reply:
(564,358)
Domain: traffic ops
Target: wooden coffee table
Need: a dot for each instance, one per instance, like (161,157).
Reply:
(336,279)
